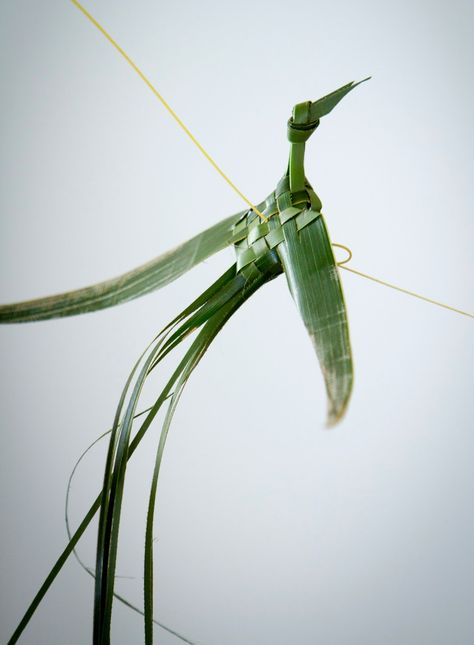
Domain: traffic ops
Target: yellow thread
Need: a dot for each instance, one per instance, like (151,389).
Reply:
(410,293)
(167,106)
(231,184)
(393,286)
(348,251)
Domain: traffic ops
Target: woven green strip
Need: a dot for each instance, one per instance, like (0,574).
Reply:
(253,239)
(275,237)
(305,218)
(289,213)
(257,232)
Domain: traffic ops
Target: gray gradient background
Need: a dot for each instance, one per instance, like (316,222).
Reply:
(270,529)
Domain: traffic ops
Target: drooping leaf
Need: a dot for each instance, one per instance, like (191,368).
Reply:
(144,279)
(297,234)
(217,317)
(308,260)
(313,279)
(223,298)
(133,446)
(87,569)
(117,456)
(78,533)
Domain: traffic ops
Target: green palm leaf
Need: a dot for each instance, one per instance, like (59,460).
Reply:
(150,276)
(293,240)
(216,316)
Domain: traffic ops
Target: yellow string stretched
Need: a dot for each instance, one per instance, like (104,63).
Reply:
(231,183)
(341,263)
(410,293)
(167,106)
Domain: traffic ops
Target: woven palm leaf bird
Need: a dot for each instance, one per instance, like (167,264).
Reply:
(285,233)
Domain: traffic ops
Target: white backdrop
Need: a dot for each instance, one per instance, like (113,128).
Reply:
(270,529)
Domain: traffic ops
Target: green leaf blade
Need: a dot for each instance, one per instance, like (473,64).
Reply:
(233,296)
(144,279)
(327,103)
(314,283)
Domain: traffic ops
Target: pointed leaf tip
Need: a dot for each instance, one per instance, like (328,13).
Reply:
(327,103)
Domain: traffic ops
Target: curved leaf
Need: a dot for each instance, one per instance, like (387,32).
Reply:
(313,279)
(233,296)
(90,571)
(150,276)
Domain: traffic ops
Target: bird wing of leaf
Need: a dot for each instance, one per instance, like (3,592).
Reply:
(146,278)
(313,279)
